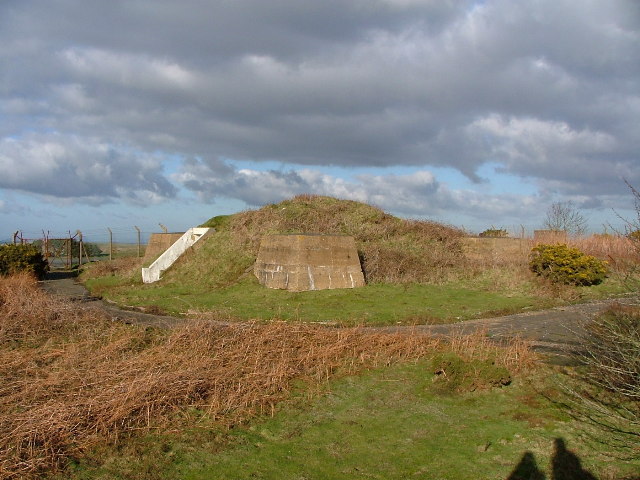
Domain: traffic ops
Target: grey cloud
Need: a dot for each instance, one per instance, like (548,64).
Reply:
(549,90)
(68,167)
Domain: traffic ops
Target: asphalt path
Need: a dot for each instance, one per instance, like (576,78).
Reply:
(556,332)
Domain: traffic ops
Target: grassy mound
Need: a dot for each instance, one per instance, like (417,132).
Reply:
(392,250)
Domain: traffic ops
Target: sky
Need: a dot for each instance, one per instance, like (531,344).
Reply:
(472,113)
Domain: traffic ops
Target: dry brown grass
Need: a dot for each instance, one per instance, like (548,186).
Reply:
(619,251)
(119,266)
(517,356)
(72,378)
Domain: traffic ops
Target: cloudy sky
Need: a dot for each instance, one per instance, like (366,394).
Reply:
(475,113)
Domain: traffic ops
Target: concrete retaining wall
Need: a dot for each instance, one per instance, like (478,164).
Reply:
(308,262)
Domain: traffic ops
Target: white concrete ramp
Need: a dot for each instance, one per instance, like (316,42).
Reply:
(164,261)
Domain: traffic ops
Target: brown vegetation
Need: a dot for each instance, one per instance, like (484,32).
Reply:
(72,378)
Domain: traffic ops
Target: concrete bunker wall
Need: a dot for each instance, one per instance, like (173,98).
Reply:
(308,262)
(158,244)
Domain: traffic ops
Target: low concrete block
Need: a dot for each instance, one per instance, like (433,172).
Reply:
(308,262)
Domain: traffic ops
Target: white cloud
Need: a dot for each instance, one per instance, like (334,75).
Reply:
(418,194)
(67,167)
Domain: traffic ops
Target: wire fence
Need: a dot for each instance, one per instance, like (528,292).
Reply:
(64,249)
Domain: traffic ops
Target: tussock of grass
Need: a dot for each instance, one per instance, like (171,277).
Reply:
(73,379)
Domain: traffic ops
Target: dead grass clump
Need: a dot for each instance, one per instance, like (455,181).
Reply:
(619,251)
(27,312)
(119,266)
(516,356)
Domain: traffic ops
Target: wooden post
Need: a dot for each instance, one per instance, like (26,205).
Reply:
(110,244)
(45,244)
(15,237)
(138,230)
(69,252)
(80,245)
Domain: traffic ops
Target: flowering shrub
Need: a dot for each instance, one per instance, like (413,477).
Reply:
(563,264)
(19,258)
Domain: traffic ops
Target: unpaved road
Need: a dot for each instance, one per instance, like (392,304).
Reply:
(555,332)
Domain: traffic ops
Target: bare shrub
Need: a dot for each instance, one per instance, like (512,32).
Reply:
(606,392)
(565,216)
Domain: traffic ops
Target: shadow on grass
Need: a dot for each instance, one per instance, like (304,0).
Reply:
(565,465)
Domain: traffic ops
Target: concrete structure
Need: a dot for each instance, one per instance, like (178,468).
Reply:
(164,261)
(308,262)
(158,244)
(549,237)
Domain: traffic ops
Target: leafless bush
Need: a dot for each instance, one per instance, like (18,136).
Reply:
(565,216)
(608,394)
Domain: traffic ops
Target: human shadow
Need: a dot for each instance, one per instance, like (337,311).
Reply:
(527,469)
(565,465)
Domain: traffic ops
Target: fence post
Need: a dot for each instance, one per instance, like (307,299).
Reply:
(110,244)
(69,252)
(80,245)
(138,230)
(45,244)
(15,237)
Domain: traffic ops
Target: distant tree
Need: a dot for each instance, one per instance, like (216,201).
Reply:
(565,216)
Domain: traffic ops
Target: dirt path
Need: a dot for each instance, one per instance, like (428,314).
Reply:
(65,284)
(555,332)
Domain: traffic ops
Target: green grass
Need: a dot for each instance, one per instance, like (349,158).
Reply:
(376,304)
(392,423)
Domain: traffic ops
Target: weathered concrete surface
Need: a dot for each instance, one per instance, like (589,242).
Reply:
(308,262)
(158,244)
(171,254)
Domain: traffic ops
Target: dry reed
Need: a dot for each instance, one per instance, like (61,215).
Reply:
(72,378)
(619,251)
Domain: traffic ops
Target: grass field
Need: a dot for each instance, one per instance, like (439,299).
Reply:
(391,423)
(285,398)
